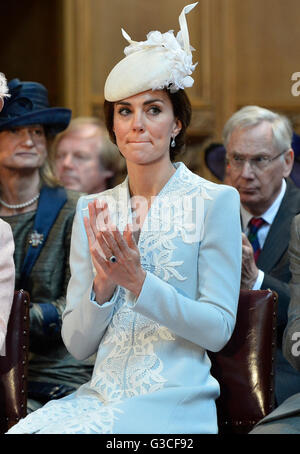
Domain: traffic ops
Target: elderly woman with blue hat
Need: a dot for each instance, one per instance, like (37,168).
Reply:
(155,265)
(7,266)
(40,214)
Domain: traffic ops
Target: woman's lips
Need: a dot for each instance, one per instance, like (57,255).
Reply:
(139,141)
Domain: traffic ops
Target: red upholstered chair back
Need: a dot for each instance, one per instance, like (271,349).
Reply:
(245,366)
(13,366)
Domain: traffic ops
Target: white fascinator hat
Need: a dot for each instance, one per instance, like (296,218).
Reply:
(3,90)
(162,61)
(3,86)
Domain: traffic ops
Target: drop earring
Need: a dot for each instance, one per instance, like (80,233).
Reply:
(173,143)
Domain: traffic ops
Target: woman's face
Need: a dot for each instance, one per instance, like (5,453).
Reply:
(144,125)
(23,147)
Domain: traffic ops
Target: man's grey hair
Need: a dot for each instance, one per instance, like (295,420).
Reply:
(3,86)
(250,116)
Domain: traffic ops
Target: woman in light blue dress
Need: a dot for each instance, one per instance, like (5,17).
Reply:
(155,265)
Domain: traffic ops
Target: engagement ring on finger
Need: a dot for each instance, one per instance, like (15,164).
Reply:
(112,259)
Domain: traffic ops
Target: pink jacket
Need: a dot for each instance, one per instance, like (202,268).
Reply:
(7,279)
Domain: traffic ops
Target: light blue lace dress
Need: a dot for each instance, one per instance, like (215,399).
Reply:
(152,372)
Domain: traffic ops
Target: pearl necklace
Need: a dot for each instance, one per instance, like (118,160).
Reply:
(20,205)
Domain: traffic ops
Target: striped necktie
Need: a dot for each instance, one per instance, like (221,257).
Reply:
(254,225)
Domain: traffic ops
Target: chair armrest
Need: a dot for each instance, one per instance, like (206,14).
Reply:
(244,368)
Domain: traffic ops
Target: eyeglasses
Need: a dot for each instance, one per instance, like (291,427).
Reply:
(258,163)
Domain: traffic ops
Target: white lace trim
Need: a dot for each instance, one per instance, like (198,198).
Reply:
(70,416)
(131,367)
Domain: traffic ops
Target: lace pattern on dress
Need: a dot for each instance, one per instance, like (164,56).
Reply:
(131,367)
(80,415)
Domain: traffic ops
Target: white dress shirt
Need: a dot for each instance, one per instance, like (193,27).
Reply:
(268,216)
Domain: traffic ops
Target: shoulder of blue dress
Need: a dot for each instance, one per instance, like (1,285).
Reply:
(192,181)
(185,175)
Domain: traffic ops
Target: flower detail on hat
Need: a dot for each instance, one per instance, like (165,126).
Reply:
(3,87)
(181,65)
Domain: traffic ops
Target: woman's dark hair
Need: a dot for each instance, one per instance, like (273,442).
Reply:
(182,111)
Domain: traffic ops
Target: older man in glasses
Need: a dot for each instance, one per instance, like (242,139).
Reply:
(260,159)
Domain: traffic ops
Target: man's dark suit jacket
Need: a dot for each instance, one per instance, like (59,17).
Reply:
(286,418)
(274,261)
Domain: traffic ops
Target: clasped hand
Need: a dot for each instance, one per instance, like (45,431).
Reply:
(105,240)
(249,268)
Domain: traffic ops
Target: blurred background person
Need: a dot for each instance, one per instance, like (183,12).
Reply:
(40,214)
(295,173)
(84,159)
(214,156)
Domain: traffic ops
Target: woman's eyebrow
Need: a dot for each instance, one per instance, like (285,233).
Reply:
(150,101)
(122,103)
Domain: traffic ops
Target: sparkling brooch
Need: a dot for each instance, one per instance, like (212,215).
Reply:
(35,238)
